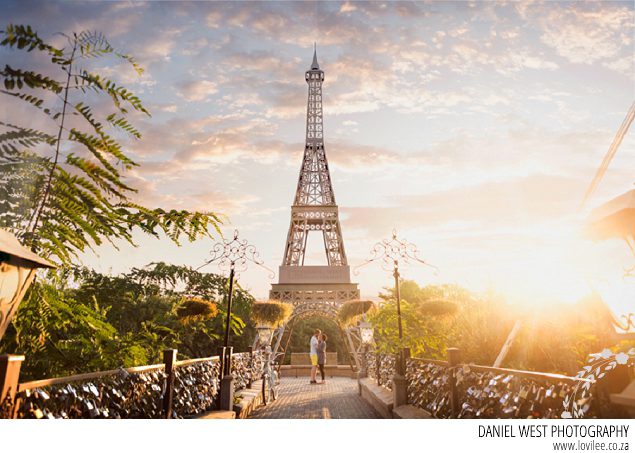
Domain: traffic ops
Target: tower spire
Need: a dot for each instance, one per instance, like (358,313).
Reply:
(315,64)
(314,207)
(311,288)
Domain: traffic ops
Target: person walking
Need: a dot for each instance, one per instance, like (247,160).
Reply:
(321,353)
(313,353)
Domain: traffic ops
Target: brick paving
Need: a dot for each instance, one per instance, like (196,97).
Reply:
(337,398)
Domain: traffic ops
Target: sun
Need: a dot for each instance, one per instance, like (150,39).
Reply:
(555,264)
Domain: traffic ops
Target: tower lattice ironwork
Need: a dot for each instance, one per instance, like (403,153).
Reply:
(314,207)
(314,288)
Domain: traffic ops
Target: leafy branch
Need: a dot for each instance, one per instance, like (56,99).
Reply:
(66,192)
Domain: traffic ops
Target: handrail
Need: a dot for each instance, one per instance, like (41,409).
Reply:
(520,373)
(82,377)
(432,361)
(187,362)
(528,374)
(102,374)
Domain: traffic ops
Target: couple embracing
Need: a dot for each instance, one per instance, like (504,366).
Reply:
(318,355)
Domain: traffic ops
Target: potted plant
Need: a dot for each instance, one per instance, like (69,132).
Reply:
(196,309)
(271,313)
(353,310)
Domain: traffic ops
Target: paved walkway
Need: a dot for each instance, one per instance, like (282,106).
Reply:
(338,398)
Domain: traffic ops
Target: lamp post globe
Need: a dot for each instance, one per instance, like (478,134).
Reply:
(366,332)
(264,335)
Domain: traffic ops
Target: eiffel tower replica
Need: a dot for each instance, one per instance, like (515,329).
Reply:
(314,289)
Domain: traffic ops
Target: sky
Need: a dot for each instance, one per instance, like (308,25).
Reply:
(472,128)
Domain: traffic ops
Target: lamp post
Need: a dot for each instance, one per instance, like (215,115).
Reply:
(366,337)
(17,271)
(233,255)
(391,253)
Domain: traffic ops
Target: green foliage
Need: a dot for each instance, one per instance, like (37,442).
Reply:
(437,308)
(350,312)
(303,331)
(79,320)
(64,191)
(271,313)
(481,326)
(425,326)
(60,335)
(425,336)
(556,338)
(152,295)
(559,337)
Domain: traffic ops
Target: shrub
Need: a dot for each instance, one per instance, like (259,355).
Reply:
(437,308)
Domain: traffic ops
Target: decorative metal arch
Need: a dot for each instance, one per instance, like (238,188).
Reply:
(307,309)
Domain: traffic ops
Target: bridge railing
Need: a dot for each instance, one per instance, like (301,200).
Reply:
(450,389)
(381,368)
(174,389)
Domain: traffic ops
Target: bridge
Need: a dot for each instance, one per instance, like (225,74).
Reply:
(427,389)
(297,399)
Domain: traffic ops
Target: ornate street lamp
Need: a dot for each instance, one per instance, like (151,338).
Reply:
(17,271)
(366,333)
(391,253)
(234,256)
(614,220)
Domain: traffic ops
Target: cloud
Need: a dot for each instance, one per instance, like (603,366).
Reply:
(625,65)
(149,49)
(348,7)
(586,32)
(364,158)
(229,204)
(256,63)
(171,108)
(152,193)
(468,210)
(197,90)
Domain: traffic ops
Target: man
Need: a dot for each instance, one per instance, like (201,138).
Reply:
(313,353)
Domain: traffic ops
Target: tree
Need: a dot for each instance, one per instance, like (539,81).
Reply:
(152,297)
(303,331)
(556,338)
(79,320)
(63,190)
(481,327)
(61,336)
(425,315)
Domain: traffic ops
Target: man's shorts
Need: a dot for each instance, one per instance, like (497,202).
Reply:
(313,359)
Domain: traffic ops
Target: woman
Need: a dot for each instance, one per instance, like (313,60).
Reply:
(321,351)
